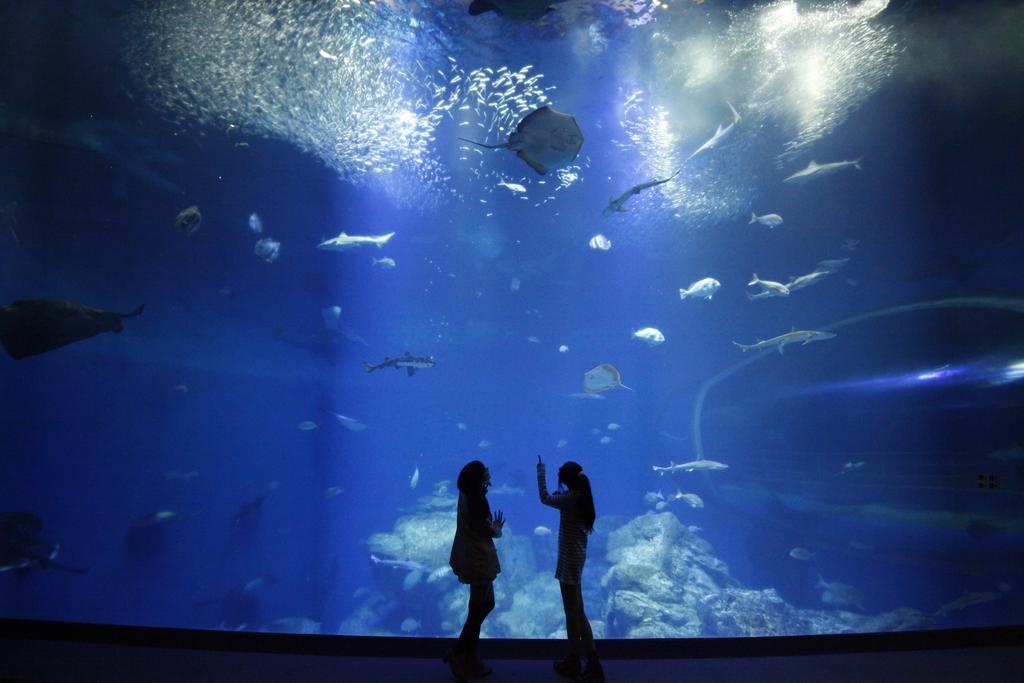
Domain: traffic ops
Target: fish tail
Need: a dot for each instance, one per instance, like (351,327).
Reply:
(754,281)
(753,217)
(856,163)
(485,146)
(743,347)
(369,368)
(137,311)
(625,387)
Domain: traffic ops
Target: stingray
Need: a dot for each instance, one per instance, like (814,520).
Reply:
(544,139)
(21,547)
(602,378)
(28,328)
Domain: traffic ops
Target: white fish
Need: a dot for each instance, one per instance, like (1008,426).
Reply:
(839,594)
(807,280)
(815,170)
(652,497)
(769,288)
(409,625)
(349,423)
(769,219)
(586,395)
(541,531)
(613,426)
(563,349)
(255,224)
(661,505)
(386,262)
(1011,454)
(692,466)
(600,242)
(484,443)
(331,316)
(562,443)
(852,466)
(602,378)
(701,289)
(327,55)
(514,188)
(533,339)
(267,249)
(691,499)
(307,425)
(514,284)
(344,242)
(439,574)
(461,426)
(415,478)
(791,337)
(412,579)
(832,265)
(605,440)
(802,554)
(720,136)
(650,335)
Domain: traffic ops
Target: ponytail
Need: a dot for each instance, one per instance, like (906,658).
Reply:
(571,475)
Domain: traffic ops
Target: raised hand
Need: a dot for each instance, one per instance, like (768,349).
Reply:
(498,520)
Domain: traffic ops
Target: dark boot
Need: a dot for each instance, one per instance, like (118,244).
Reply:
(569,667)
(594,673)
(456,661)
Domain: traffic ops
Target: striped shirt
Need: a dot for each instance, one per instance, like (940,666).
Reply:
(572,535)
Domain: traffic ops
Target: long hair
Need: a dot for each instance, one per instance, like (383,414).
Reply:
(571,475)
(471,485)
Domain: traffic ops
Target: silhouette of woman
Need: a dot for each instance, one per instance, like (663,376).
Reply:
(576,521)
(475,561)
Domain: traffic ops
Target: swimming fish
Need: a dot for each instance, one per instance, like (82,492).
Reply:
(600,242)
(32,327)
(344,242)
(839,594)
(701,289)
(617,204)
(691,499)
(410,362)
(385,262)
(769,288)
(692,466)
(602,378)
(409,625)
(267,249)
(255,224)
(544,139)
(514,188)
(188,220)
(541,531)
(802,554)
(518,10)
(484,443)
(966,600)
(248,509)
(652,497)
(805,337)
(612,426)
(649,335)
(349,423)
(563,349)
(815,170)
(831,265)
(769,219)
(720,136)
(586,395)
(807,280)
(851,467)
(307,425)
(605,440)
(415,478)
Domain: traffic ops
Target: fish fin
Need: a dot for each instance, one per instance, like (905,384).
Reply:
(410,371)
(503,145)
(753,217)
(813,164)
(781,346)
(735,114)
(137,311)
(856,163)
(535,165)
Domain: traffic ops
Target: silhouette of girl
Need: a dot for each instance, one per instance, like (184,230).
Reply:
(576,521)
(475,561)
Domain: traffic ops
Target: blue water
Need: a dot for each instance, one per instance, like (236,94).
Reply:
(232,354)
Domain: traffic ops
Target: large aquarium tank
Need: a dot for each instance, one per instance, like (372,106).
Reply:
(272,273)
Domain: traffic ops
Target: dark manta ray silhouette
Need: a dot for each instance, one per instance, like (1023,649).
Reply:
(31,327)
(21,547)
(544,139)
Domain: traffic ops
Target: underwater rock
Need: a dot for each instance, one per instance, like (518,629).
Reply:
(423,539)
(535,611)
(666,582)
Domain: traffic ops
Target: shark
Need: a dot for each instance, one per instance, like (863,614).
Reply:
(721,134)
(693,465)
(815,170)
(805,337)
(344,242)
(410,362)
(807,280)
(617,204)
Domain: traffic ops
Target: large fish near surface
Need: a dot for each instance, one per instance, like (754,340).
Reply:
(722,133)
(519,10)
(544,139)
(32,327)
(344,242)
(692,466)
(815,170)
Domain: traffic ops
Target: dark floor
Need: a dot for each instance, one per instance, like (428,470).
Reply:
(33,660)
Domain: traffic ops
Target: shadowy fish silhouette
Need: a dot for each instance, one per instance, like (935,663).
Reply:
(28,328)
